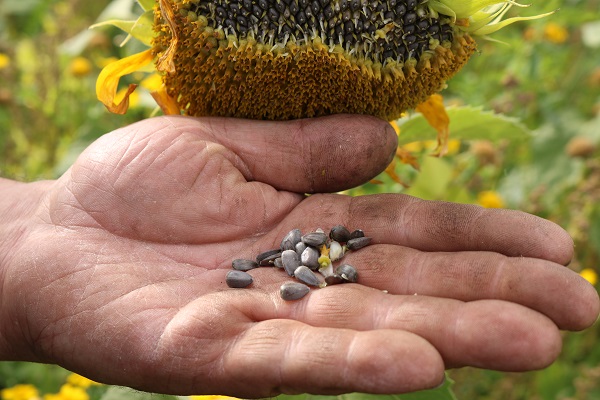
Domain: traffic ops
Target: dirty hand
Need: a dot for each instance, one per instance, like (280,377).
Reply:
(117,269)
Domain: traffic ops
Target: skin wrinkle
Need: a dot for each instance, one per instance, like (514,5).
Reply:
(496,289)
(306,152)
(138,145)
(212,130)
(416,266)
(455,327)
(350,355)
(292,349)
(473,222)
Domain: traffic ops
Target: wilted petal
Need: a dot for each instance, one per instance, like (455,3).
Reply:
(435,113)
(108,80)
(166,103)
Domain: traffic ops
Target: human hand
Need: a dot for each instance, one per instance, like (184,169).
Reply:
(117,269)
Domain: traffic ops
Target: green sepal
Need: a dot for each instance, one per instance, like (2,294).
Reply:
(141,29)
(493,27)
(147,5)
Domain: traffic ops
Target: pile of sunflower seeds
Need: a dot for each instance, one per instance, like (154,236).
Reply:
(308,258)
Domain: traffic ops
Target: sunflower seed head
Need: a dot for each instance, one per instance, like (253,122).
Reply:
(241,264)
(293,290)
(238,279)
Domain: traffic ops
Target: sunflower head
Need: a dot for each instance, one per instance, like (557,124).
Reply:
(286,59)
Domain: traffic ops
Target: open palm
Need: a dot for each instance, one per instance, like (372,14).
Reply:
(118,269)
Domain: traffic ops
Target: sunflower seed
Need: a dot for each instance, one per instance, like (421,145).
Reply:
(293,290)
(241,264)
(267,259)
(358,243)
(278,263)
(304,274)
(300,247)
(334,279)
(314,239)
(290,260)
(356,234)
(267,255)
(310,257)
(347,272)
(339,233)
(238,279)
(290,240)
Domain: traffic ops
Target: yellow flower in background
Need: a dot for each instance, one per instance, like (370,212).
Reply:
(68,392)
(529,34)
(490,199)
(80,381)
(213,397)
(555,33)
(80,66)
(589,275)
(20,392)
(4,61)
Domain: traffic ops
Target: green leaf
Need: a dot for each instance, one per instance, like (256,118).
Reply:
(433,181)
(466,123)
(443,392)
(147,5)
(142,29)
(125,393)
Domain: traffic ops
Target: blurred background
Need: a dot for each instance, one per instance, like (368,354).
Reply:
(545,74)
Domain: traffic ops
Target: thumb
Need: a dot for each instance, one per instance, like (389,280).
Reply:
(326,154)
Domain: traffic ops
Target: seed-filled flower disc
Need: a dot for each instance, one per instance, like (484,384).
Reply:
(287,59)
(284,59)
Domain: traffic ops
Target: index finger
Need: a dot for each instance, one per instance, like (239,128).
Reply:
(434,225)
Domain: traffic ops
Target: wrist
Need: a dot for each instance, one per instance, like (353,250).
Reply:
(19,206)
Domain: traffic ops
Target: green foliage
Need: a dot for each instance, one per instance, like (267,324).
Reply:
(444,392)
(142,28)
(466,123)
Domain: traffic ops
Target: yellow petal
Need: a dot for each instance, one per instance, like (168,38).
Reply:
(435,113)
(406,157)
(166,103)
(391,172)
(108,80)
(394,125)
(152,83)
